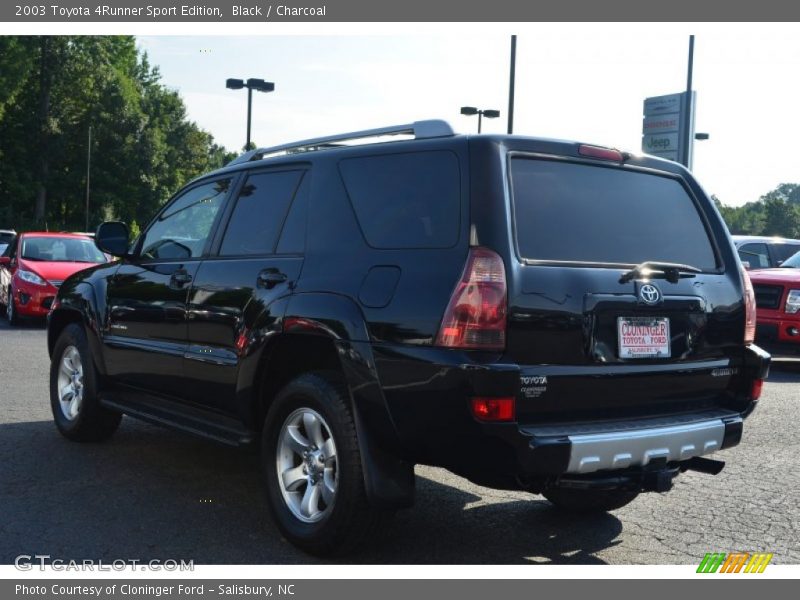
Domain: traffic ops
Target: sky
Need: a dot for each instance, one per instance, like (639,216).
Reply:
(583,82)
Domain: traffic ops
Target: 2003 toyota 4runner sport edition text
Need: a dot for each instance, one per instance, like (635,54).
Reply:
(530,314)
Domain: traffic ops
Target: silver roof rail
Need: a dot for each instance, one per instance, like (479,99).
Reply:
(419,129)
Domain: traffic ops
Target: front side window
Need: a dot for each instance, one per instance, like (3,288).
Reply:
(792,262)
(784,251)
(181,231)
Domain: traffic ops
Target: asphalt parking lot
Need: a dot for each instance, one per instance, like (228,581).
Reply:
(150,493)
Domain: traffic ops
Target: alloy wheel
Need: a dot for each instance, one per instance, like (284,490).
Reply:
(70,383)
(306,465)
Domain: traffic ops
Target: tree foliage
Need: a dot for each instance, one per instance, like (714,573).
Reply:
(52,90)
(776,213)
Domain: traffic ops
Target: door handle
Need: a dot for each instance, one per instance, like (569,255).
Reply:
(269,278)
(180,278)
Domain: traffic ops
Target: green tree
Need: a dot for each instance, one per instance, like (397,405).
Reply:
(143,145)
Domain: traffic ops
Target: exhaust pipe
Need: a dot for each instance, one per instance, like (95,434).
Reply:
(709,466)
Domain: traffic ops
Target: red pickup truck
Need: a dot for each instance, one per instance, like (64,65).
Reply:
(778,306)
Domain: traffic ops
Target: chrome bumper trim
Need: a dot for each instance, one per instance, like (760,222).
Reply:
(622,449)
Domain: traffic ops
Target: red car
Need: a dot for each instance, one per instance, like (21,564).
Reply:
(778,306)
(35,265)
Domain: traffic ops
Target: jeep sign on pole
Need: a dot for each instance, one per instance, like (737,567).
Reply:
(664,129)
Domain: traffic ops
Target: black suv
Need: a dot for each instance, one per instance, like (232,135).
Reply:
(530,314)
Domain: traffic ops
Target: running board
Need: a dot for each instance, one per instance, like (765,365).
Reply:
(189,419)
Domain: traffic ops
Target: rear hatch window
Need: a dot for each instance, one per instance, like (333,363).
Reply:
(582,213)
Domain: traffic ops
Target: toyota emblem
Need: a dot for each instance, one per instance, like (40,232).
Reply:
(649,294)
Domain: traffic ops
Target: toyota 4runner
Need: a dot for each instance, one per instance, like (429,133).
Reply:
(530,314)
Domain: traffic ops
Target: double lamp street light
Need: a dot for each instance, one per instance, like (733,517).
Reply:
(251,84)
(471,110)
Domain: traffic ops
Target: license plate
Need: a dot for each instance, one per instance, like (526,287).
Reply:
(643,337)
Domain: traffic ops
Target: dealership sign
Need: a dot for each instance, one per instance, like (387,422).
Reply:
(664,131)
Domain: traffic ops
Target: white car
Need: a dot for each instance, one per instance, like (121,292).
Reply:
(762,252)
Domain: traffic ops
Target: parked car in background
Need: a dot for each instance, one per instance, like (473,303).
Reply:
(35,265)
(762,252)
(6,237)
(778,306)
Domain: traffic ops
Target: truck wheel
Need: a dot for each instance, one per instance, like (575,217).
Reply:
(73,390)
(312,463)
(589,501)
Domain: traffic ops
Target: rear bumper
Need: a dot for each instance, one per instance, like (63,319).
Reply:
(428,390)
(587,448)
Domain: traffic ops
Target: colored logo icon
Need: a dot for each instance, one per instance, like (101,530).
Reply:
(736,562)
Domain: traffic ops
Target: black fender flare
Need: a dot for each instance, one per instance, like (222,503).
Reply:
(77,303)
(389,479)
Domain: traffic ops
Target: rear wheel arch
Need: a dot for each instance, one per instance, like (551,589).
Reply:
(389,479)
(288,357)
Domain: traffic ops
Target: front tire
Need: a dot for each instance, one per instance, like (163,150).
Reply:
(312,464)
(11,309)
(589,501)
(77,412)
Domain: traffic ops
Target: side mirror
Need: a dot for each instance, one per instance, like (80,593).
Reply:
(746,264)
(5,260)
(112,238)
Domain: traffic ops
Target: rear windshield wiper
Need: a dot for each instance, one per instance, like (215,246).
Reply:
(672,272)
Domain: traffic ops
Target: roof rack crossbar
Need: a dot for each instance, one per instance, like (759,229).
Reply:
(419,129)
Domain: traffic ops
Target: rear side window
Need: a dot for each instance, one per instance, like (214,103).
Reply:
(756,255)
(293,236)
(259,213)
(588,214)
(409,200)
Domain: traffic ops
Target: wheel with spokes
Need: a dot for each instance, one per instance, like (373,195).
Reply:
(312,463)
(73,390)
(306,464)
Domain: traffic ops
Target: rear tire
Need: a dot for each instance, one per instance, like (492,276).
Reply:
(77,412)
(589,501)
(312,464)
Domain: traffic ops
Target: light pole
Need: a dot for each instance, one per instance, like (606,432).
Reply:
(251,84)
(88,173)
(471,110)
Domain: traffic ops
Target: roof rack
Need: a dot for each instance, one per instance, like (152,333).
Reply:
(419,129)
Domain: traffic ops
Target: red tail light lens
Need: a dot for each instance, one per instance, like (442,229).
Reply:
(493,409)
(755,391)
(476,315)
(749,309)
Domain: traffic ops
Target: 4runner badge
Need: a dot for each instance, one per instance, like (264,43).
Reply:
(533,387)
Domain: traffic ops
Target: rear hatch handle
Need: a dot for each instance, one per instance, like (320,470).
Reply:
(672,272)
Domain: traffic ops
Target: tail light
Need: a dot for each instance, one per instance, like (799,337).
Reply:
(755,389)
(749,309)
(493,409)
(476,315)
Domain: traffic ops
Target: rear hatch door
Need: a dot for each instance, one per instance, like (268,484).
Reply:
(619,293)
